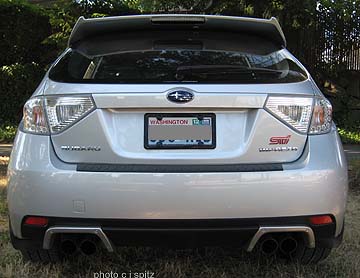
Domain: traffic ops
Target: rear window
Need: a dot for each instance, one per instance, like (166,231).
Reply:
(183,59)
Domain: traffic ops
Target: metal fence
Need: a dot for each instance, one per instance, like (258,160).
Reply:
(318,50)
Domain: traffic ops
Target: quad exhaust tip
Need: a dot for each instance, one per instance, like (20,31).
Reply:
(85,246)
(69,246)
(287,244)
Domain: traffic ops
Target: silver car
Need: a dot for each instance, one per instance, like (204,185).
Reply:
(177,130)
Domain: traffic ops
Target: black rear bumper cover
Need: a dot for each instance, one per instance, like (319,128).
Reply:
(178,233)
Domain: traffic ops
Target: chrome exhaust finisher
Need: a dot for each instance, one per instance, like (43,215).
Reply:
(48,238)
(310,237)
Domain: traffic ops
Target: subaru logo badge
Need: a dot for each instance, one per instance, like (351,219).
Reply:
(180,96)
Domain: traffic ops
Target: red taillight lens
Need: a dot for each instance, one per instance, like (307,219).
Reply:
(321,220)
(36,221)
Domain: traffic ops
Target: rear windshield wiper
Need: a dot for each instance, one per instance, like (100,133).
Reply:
(225,69)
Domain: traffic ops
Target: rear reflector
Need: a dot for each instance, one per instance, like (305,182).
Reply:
(36,221)
(321,220)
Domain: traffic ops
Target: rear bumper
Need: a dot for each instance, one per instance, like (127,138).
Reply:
(40,184)
(177,233)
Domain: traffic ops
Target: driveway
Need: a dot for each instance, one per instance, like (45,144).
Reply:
(5,149)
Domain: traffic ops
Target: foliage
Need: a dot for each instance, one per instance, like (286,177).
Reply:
(23,27)
(62,19)
(17,83)
(158,6)
(7,133)
(349,136)
(105,7)
(64,14)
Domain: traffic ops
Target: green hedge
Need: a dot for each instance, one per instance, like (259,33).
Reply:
(17,83)
(349,136)
(23,28)
(7,134)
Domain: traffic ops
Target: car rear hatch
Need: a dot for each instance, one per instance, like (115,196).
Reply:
(185,97)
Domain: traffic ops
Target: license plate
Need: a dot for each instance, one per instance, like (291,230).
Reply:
(180,131)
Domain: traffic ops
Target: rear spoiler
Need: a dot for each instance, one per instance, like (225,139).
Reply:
(266,28)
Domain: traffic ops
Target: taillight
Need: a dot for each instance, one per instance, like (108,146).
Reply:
(34,118)
(304,114)
(294,111)
(322,116)
(55,113)
(63,111)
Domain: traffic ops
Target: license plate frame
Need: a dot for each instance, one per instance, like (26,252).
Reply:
(212,116)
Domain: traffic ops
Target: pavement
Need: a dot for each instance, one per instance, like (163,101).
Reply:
(5,149)
(351,151)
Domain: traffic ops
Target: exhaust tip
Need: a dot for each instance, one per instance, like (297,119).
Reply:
(269,246)
(288,245)
(68,247)
(88,247)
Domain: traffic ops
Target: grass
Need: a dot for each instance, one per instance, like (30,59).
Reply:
(212,262)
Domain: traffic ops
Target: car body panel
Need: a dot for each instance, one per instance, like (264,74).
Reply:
(43,185)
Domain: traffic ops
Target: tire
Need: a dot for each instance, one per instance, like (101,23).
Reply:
(41,255)
(312,255)
(305,255)
(35,254)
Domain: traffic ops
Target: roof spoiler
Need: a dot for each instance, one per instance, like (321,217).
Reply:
(267,28)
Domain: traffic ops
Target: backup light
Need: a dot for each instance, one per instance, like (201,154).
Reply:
(64,111)
(55,113)
(294,111)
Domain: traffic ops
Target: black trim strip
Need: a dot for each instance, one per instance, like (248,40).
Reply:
(153,168)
